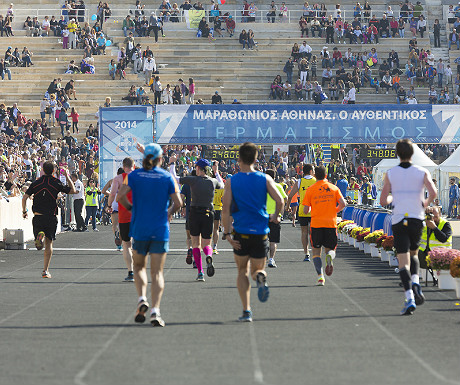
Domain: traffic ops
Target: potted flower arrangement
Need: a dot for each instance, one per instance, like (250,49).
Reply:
(354,233)
(347,232)
(371,241)
(340,229)
(455,273)
(360,237)
(439,259)
(378,243)
(388,246)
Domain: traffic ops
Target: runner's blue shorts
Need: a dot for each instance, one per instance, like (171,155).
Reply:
(153,247)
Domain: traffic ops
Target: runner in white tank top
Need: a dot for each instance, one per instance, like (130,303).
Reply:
(407,182)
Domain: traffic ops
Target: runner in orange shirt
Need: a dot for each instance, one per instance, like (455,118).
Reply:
(294,203)
(324,200)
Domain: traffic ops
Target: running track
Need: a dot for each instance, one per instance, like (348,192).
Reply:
(78,328)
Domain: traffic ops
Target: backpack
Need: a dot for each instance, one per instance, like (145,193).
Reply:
(186,91)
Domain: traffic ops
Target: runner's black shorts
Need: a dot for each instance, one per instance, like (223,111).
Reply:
(187,224)
(124,231)
(304,221)
(323,236)
(217,215)
(201,222)
(407,237)
(275,232)
(254,245)
(45,223)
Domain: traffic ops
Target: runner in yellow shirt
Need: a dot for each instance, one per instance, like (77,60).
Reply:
(275,228)
(304,219)
(218,194)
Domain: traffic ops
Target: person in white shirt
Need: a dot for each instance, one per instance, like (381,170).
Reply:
(78,202)
(411,99)
(305,50)
(448,74)
(149,67)
(407,183)
(45,26)
(430,58)
(352,93)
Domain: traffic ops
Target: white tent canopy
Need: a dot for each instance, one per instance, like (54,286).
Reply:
(419,158)
(452,163)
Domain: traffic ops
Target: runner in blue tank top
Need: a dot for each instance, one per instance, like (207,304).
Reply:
(245,199)
(151,187)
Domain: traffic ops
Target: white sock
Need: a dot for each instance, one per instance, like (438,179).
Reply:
(142,298)
(332,253)
(155,310)
(415,278)
(409,295)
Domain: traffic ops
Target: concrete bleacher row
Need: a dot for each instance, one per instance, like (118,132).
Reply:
(221,65)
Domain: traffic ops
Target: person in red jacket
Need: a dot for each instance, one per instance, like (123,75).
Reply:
(124,216)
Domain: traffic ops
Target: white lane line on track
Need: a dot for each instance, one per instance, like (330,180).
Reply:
(23,267)
(258,375)
(78,379)
(54,292)
(413,354)
(171,250)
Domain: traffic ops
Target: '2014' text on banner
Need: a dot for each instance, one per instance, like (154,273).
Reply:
(299,124)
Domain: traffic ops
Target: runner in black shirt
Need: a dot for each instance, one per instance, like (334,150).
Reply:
(45,191)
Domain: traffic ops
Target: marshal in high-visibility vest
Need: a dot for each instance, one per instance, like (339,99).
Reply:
(304,184)
(433,242)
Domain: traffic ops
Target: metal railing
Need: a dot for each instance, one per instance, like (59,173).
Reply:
(257,16)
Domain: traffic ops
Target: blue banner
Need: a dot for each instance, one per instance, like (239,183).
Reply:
(300,124)
(121,128)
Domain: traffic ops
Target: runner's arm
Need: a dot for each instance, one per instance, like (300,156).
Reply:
(226,203)
(177,204)
(341,204)
(113,190)
(106,188)
(122,197)
(385,197)
(276,196)
(24,205)
(431,188)
(294,190)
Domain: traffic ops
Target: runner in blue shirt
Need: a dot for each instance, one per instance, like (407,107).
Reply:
(342,184)
(245,199)
(151,187)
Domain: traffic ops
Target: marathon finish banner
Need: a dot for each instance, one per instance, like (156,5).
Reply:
(301,124)
(120,129)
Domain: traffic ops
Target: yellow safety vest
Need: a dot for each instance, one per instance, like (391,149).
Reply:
(304,184)
(433,241)
(218,193)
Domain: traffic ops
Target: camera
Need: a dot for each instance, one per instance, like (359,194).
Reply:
(429,216)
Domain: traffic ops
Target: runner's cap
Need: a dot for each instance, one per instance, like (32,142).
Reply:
(153,149)
(203,163)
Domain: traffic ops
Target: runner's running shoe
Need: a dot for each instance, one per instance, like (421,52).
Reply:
(246,317)
(209,266)
(120,248)
(271,262)
(142,308)
(307,258)
(419,297)
(39,241)
(320,281)
(262,288)
(215,250)
(409,307)
(130,277)
(46,274)
(117,239)
(188,259)
(194,265)
(156,320)
(200,277)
